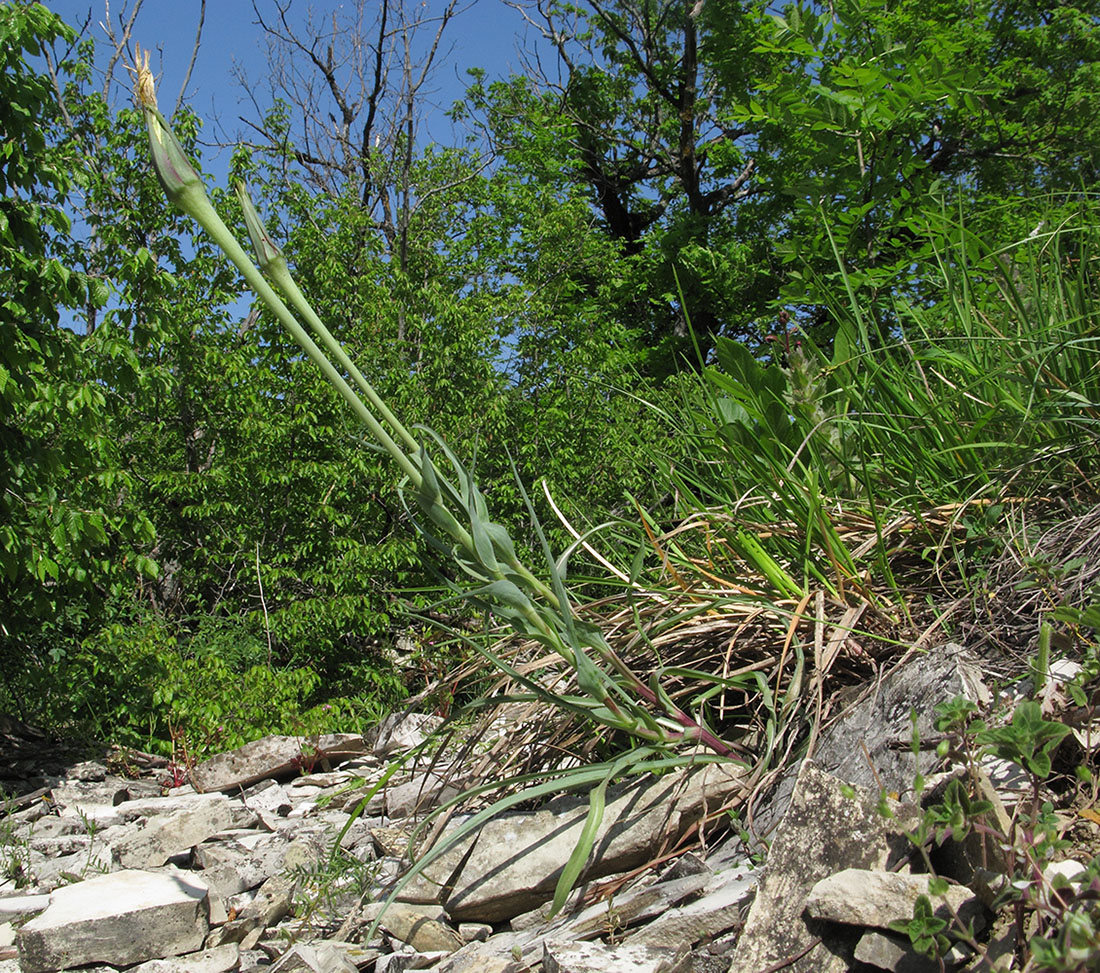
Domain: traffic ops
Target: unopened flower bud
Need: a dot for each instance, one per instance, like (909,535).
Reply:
(267,251)
(181,183)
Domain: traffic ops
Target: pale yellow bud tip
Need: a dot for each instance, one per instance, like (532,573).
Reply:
(145,93)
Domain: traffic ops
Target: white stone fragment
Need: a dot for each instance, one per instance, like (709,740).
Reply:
(598,958)
(1063,873)
(867,897)
(171,834)
(310,958)
(221,959)
(403,731)
(23,905)
(123,918)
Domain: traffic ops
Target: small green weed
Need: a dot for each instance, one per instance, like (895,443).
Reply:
(1057,922)
(15,865)
(93,864)
(1087,617)
(324,888)
(925,929)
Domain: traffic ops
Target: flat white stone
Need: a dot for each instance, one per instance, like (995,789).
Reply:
(271,757)
(22,905)
(221,959)
(598,958)
(146,807)
(170,834)
(123,918)
(101,815)
(314,958)
(866,897)
(707,917)
(403,731)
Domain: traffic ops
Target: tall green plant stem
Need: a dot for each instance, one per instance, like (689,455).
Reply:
(184,188)
(482,549)
(274,266)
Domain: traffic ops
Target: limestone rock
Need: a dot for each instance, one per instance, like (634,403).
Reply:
(270,802)
(271,904)
(482,964)
(391,841)
(220,960)
(629,908)
(437,881)
(421,930)
(273,756)
(862,747)
(402,731)
(716,912)
(474,932)
(689,918)
(229,867)
(304,852)
(827,827)
(598,958)
(79,793)
(412,960)
(23,905)
(420,794)
(861,897)
(516,859)
(167,835)
(893,952)
(126,917)
(310,958)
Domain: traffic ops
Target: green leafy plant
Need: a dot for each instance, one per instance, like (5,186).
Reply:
(1085,617)
(156,687)
(325,887)
(1027,740)
(453,518)
(925,930)
(69,529)
(1064,914)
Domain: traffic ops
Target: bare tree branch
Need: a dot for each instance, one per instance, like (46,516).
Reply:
(53,61)
(119,44)
(194,55)
(364,72)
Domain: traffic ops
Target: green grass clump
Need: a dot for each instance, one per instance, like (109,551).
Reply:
(979,390)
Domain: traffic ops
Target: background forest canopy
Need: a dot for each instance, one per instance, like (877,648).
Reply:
(195,535)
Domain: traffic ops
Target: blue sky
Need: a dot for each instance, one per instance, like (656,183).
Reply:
(487,34)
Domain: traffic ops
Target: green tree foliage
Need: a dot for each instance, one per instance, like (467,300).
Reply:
(714,142)
(873,110)
(170,433)
(71,536)
(260,518)
(624,120)
(474,324)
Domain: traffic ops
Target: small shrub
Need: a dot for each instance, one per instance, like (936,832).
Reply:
(1057,922)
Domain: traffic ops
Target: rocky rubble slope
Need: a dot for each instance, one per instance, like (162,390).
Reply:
(266,860)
